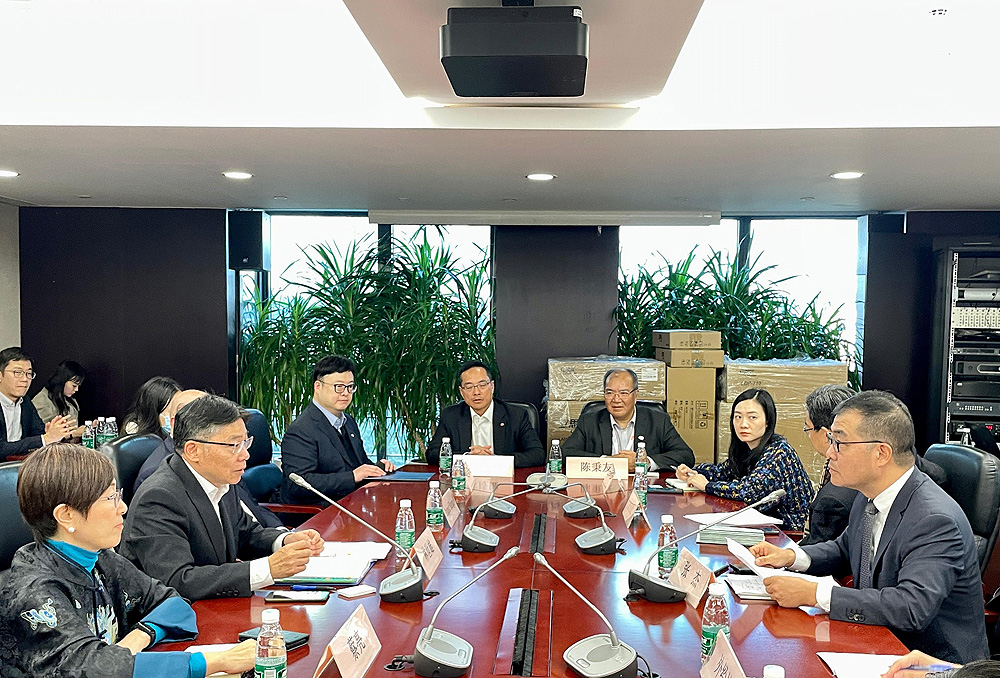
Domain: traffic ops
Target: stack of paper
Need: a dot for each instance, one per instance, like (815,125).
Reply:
(373,550)
(747,586)
(853,665)
(341,562)
(741,535)
(680,484)
(751,518)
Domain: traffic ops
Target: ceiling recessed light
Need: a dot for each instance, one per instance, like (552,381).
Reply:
(402,199)
(8,174)
(237,175)
(847,175)
(84,197)
(807,198)
(508,199)
(280,197)
(540,176)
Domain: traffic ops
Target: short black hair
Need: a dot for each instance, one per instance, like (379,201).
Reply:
(981,668)
(821,403)
(622,370)
(9,355)
(333,364)
(203,417)
(472,364)
(886,418)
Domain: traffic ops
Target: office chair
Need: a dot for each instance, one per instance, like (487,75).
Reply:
(128,454)
(530,411)
(16,532)
(594,405)
(261,450)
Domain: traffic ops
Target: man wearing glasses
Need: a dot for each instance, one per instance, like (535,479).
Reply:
(323,444)
(908,544)
(482,424)
(186,527)
(616,427)
(21,429)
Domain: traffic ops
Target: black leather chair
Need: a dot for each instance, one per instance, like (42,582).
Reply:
(598,404)
(128,454)
(262,481)
(530,410)
(261,450)
(974,482)
(15,532)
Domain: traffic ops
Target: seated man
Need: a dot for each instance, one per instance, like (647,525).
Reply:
(484,424)
(21,429)
(323,444)
(614,428)
(185,526)
(908,544)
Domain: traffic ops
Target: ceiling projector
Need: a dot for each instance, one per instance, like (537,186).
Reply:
(515,51)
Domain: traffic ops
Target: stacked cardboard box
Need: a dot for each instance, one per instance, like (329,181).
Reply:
(788,382)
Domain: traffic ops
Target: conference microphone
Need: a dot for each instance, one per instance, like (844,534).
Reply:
(657,590)
(439,654)
(580,508)
(477,539)
(601,655)
(546,480)
(405,586)
(599,541)
(499,508)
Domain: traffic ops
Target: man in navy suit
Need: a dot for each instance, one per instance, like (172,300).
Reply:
(323,444)
(21,429)
(908,544)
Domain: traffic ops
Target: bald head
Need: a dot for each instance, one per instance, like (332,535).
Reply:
(182,398)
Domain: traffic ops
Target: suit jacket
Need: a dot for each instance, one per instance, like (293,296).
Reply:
(312,448)
(32,429)
(829,513)
(926,582)
(664,445)
(172,534)
(513,434)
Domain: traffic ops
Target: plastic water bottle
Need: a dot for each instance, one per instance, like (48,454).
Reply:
(444,459)
(641,458)
(435,512)
(667,558)
(88,435)
(715,620)
(271,660)
(112,428)
(555,458)
(101,433)
(406,529)
(641,486)
(774,671)
(458,479)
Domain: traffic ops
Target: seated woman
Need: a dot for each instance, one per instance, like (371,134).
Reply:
(760,461)
(70,605)
(145,415)
(56,399)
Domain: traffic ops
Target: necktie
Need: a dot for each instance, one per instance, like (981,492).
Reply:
(867,547)
(826,474)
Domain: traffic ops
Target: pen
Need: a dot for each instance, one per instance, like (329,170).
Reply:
(304,587)
(721,570)
(932,667)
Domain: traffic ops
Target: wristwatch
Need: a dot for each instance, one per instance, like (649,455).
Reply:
(147,629)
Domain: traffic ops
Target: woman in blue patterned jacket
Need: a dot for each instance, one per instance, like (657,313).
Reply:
(760,461)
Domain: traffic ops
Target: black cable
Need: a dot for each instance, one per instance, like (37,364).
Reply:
(648,673)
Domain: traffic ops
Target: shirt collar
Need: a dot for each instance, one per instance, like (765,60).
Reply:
(335,421)
(883,502)
(215,492)
(487,415)
(8,402)
(631,422)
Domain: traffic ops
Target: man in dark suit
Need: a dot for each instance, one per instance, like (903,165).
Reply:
(616,427)
(483,424)
(186,527)
(21,429)
(908,544)
(323,444)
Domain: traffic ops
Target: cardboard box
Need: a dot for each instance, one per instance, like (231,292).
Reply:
(687,339)
(555,433)
(788,381)
(582,379)
(563,414)
(696,357)
(690,402)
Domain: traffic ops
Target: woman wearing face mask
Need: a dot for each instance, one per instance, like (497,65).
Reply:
(57,398)
(760,461)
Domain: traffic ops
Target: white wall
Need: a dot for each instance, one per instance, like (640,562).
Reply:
(10,278)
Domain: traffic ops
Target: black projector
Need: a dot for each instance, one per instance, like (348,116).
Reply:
(515,51)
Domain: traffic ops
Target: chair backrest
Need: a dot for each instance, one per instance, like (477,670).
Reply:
(594,405)
(15,532)
(128,454)
(262,481)
(261,450)
(974,482)
(530,411)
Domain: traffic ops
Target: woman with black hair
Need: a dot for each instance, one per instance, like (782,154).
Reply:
(56,399)
(152,398)
(760,461)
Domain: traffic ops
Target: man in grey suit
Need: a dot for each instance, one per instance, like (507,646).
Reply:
(186,526)
(908,544)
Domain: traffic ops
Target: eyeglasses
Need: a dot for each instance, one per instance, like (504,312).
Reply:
(236,447)
(340,388)
(608,393)
(807,429)
(837,443)
(115,498)
(482,386)
(21,374)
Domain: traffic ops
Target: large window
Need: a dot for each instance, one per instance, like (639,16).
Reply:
(291,234)
(647,246)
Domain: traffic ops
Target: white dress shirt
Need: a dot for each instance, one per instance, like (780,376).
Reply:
(260,569)
(883,502)
(12,416)
(482,427)
(622,438)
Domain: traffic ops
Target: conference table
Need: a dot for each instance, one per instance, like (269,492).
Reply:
(667,635)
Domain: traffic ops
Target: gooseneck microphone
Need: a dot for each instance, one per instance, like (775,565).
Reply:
(656,590)
(477,539)
(439,654)
(601,655)
(579,508)
(600,541)
(406,586)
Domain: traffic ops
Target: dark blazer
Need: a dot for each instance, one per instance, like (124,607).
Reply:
(829,513)
(926,582)
(664,445)
(513,434)
(172,534)
(312,448)
(32,430)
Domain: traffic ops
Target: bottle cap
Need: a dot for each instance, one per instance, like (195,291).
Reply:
(435,484)
(111,418)
(717,588)
(666,519)
(446,440)
(269,615)
(641,438)
(100,419)
(404,503)
(774,671)
(89,422)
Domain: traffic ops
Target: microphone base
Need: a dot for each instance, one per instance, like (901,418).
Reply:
(581,508)
(476,539)
(499,510)
(440,654)
(653,589)
(600,541)
(405,586)
(596,657)
(538,480)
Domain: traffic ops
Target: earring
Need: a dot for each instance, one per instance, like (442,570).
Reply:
(71,529)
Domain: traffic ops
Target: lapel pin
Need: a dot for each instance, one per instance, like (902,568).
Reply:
(501,423)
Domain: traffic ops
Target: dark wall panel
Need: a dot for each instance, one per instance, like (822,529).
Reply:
(130,294)
(556,292)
